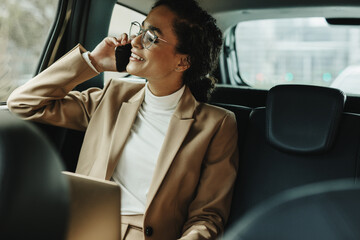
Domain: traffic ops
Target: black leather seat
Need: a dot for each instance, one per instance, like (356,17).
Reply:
(302,136)
(34,196)
(327,210)
(242,119)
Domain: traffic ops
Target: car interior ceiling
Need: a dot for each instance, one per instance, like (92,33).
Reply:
(88,24)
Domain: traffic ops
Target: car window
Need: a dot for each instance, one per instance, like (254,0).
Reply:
(348,80)
(294,51)
(24,28)
(120,23)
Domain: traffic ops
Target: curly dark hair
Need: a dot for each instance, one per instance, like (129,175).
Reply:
(200,39)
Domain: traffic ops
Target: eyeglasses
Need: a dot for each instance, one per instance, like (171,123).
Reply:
(148,37)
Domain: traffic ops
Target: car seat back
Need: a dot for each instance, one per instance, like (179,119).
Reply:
(34,196)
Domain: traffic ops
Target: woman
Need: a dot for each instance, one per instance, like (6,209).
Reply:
(174,157)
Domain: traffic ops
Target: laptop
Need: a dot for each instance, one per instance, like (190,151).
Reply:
(94,209)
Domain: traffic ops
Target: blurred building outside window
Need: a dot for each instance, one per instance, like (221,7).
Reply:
(297,51)
(24,29)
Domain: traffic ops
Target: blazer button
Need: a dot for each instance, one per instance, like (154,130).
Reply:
(148,231)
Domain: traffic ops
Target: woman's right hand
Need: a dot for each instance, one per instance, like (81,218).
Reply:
(103,56)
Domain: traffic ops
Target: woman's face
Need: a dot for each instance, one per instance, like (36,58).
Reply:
(160,61)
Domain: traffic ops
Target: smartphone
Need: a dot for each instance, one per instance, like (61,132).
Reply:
(122,57)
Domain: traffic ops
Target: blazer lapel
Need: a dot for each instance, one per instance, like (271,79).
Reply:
(179,127)
(124,122)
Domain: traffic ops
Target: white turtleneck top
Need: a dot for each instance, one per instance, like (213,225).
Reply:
(137,163)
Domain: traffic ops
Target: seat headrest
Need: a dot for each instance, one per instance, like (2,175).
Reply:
(34,195)
(303,119)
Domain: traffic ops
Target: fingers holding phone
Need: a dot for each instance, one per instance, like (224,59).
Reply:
(122,53)
(104,53)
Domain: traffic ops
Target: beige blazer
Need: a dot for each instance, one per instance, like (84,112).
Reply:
(191,190)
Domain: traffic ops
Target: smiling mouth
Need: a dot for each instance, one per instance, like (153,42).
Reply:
(133,55)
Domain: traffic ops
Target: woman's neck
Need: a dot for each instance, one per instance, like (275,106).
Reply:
(161,88)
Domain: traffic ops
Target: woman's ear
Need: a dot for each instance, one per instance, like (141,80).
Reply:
(183,64)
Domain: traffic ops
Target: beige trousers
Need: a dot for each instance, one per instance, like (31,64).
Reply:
(131,227)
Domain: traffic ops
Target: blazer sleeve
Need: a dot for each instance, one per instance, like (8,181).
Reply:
(210,208)
(48,98)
